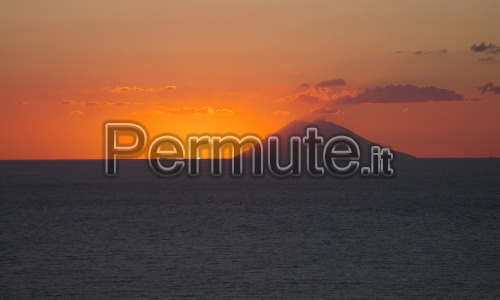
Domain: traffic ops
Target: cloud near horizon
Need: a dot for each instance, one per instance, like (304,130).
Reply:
(310,95)
(193,111)
(489,87)
(126,89)
(408,93)
(97,103)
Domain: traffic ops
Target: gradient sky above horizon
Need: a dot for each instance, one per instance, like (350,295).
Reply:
(399,73)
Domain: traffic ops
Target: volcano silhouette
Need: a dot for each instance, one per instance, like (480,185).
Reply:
(325,129)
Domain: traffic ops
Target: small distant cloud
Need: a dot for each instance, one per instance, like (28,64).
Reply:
(93,103)
(193,111)
(425,52)
(166,88)
(21,103)
(280,113)
(489,87)
(406,109)
(487,59)
(313,94)
(97,103)
(68,102)
(408,93)
(293,73)
(325,111)
(135,89)
(486,48)
(224,111)
(126,89)
(310,95)
(422,52)
(76,113)
(332,82)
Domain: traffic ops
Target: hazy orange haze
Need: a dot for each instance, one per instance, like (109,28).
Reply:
(411,71)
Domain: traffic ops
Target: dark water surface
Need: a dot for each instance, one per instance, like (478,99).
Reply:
(432,231)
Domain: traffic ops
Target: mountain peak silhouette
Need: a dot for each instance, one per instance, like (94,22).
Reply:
(325,129)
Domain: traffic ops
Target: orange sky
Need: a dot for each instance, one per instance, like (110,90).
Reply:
(193,67)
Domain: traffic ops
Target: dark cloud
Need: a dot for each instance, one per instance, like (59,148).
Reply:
(489,87)
(423,52)
(330,83)
(304,86)
(307,98)
(408,93)
(483,47)
(325,111)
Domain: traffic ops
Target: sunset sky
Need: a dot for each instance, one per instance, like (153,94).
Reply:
(413,75)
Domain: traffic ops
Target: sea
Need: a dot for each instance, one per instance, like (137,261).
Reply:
(432,231)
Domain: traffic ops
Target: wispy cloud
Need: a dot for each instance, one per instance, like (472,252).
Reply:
(487,59)
(324,84)
(408,93)
(332,82)
(420,52)
(489,87)
(424,52)
(486,48)
(76,113)
(280,113)
(193,111)
(325,111)
(126,89)
(310,95)
(68,102)
(97,103)
(135,89)
(21,103)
